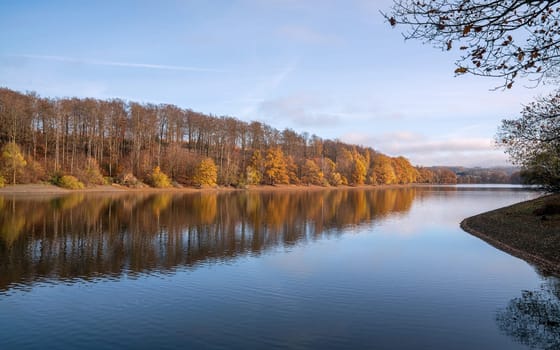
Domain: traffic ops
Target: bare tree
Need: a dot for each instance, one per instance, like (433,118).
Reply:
(497,38)
(533,141)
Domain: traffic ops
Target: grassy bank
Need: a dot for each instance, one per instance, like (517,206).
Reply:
(528,230)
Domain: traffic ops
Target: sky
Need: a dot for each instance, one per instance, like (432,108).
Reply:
(332,68)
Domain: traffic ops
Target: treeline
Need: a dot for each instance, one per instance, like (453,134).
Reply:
(503,175)
(91,141)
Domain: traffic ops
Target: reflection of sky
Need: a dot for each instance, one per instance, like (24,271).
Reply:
(332,68)
(375,285)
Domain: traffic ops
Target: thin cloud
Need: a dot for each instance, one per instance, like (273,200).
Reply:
(117,64)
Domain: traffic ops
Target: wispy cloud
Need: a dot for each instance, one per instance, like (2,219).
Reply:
(76,60)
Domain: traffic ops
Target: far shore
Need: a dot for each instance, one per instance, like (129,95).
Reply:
(47,188)
(528,230)
(23,189)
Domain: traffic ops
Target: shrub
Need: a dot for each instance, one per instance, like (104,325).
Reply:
(130,180)
(158,179)
(91,174)
(70,182)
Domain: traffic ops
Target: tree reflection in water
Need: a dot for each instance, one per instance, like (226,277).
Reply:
(534,318)
(106,235)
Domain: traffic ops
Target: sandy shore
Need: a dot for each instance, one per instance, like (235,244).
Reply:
(519,232)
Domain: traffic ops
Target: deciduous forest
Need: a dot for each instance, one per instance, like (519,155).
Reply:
(73,142)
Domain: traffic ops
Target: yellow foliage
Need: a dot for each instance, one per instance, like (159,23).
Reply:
(276,171)
(2,182)
(70,182)
(359,168)
(159,179)
(405,173)
(291,170)
(13,161)
(206,173)
(333,177)
(254,177)
(383,171)
(253,172)
(311,173)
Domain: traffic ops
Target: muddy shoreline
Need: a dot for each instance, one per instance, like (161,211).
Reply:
(518,231)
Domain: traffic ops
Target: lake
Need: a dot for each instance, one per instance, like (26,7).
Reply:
(334,269)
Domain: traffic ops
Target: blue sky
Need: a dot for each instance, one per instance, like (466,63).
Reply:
(330,68)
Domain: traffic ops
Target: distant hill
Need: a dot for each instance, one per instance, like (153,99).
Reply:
(479,175)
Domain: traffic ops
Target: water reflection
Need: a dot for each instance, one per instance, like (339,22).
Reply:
(534,318)
(90,236)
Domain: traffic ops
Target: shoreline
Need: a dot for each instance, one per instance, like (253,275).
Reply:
(34,189)
(516,230)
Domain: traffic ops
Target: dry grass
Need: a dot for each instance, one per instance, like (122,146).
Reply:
(529,230)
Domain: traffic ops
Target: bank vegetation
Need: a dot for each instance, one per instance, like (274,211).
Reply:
(72,142)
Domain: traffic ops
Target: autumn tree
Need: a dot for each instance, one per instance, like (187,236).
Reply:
(533,141)
(382,170)
(311,173)
(275,167)
(88,138)
(159,179)
(292,170)
(206,173)
(332,175)
(13,161)
(505,39)
(344,162)
(254,171)
(425,176)
(359,168)
(404,171)
(445,176)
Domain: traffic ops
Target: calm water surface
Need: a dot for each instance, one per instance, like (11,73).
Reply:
(374,269)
